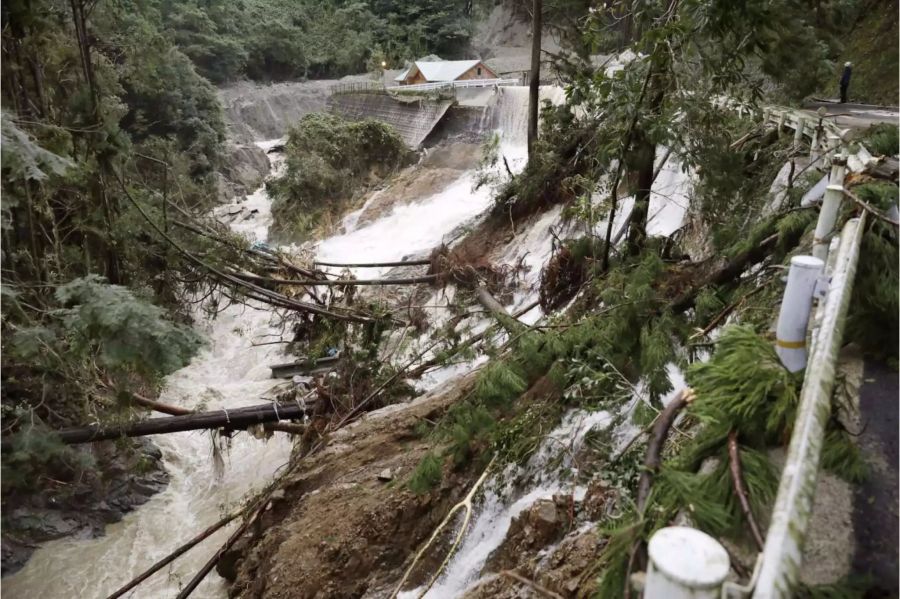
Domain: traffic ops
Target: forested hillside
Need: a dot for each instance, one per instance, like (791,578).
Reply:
(285,39)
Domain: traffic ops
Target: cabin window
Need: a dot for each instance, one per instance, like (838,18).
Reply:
(479,71)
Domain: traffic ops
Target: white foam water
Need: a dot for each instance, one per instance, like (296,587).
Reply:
(504,499)
(231,371)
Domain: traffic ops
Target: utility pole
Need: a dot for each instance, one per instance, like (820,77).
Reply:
(535,81)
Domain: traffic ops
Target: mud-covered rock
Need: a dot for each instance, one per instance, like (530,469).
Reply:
(545,522)
(244,169)
(128,478)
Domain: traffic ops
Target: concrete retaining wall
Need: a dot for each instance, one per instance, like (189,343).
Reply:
(413,119)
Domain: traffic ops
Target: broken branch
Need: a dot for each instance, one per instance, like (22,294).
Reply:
(737,477)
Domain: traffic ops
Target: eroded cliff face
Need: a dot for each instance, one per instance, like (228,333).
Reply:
(244,168)
(257,112)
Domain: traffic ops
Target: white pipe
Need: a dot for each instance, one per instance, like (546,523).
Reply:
(827,216)
(685,563)
(796,305)
(782,553)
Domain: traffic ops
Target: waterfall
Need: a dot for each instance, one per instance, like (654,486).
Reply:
(417,228)
(505,498)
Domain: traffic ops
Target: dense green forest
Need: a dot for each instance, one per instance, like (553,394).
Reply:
(286,39)
(105,123)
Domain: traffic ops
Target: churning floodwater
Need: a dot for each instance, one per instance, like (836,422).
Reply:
(232,371)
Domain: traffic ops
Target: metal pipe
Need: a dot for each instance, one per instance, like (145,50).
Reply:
(831,203)
(784,540)
(796,305)
(685,563)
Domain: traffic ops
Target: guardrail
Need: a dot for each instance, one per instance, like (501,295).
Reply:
(777,569)
(357,87)
(782,554)
(373,87)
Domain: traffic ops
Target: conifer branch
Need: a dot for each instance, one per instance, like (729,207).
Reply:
(740,489)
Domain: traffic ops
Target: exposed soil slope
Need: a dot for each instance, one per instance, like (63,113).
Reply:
(345,523)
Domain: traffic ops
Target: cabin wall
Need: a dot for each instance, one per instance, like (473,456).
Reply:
(472,73)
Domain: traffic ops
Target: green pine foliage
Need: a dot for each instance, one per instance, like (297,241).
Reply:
(745,386)
(426,475)
(742,388)
(883,139)
(841,455)
(853,586)
(123,331)
(707,305)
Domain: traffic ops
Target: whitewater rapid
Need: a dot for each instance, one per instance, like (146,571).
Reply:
(230,371)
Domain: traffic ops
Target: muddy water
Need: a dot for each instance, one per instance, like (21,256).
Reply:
(230,372)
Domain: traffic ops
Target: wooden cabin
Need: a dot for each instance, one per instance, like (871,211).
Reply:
(444,71)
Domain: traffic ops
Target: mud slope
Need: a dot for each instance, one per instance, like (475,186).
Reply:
(343,525)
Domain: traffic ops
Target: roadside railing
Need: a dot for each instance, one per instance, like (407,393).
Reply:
(357,87)
(374,87)
(777,568)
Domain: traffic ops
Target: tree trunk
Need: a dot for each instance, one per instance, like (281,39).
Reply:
(535,80)
(644,157)
(487,300)
(283,427)
(236,419)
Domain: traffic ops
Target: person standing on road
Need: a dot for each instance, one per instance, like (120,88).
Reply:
(845,81)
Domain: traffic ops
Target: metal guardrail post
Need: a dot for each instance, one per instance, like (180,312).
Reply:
(782,553)
(834,193)
(796,306)
(685,563)
(798,132)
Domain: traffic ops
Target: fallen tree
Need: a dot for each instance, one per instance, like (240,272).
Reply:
(229,420)
(163,408)
(337,282)
(422,262)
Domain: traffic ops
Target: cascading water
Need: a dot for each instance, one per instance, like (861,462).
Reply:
(420,227)
(504,500)
(231,372)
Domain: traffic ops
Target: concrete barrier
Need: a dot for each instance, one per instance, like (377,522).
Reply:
(413,119)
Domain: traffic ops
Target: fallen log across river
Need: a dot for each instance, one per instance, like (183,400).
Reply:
(235,419)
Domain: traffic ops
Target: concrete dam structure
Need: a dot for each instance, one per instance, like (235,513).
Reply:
(413,119)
